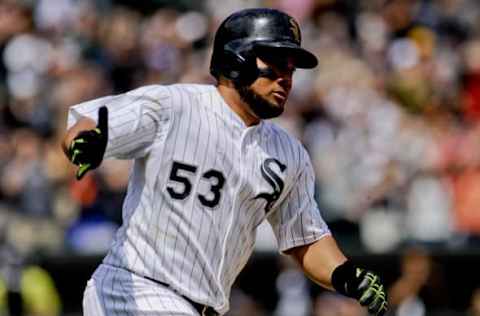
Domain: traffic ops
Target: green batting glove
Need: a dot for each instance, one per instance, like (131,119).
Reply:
(88,147)
(365,286)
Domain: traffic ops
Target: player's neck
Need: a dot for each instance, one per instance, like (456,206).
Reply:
(233,100)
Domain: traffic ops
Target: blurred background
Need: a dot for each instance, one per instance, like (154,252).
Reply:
(390,118)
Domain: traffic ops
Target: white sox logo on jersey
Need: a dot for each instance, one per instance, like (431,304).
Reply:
(274,180)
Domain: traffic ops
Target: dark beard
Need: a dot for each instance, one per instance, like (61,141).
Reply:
(262,108)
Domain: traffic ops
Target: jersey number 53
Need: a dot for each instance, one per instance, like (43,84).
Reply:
(182,174)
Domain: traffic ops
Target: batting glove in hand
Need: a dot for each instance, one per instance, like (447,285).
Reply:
(365,286)
(88,147)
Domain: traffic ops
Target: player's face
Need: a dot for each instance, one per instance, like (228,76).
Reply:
(268,94)
(275,79)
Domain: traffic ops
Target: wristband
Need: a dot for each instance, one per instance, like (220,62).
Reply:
(343,278)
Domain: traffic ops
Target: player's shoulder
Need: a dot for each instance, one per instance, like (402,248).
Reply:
(178,94)
(193,88)
(173,89)
(154,92)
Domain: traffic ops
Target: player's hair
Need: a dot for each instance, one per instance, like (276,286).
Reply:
(248,33)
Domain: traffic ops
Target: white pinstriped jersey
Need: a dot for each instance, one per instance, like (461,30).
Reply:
(202,181)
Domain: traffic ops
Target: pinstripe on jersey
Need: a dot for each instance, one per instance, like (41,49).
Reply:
(190,214)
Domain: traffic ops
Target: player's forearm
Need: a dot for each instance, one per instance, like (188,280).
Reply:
(325,264)
(84,124)
(319,259)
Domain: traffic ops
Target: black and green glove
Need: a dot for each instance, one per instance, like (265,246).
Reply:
(362,285)
(88,147)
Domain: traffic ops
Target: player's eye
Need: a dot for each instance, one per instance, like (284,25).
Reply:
(272,74)
(268,73)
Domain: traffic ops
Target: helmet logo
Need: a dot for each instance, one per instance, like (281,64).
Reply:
(295,29)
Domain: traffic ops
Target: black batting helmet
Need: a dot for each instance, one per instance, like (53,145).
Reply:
(246,33)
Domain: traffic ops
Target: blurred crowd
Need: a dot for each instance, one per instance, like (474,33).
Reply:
(391,116)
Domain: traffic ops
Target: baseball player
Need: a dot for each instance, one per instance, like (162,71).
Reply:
(208,169)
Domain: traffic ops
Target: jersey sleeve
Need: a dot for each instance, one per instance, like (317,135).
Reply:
(298,221)
(137,120)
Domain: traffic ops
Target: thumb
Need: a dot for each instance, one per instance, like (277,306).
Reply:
(103,120)
(82,170)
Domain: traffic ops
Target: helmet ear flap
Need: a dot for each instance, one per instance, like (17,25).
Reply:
(239,66)
(232,63)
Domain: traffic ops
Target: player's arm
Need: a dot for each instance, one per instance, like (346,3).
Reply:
(319,259)
(85,142)
(324,263)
